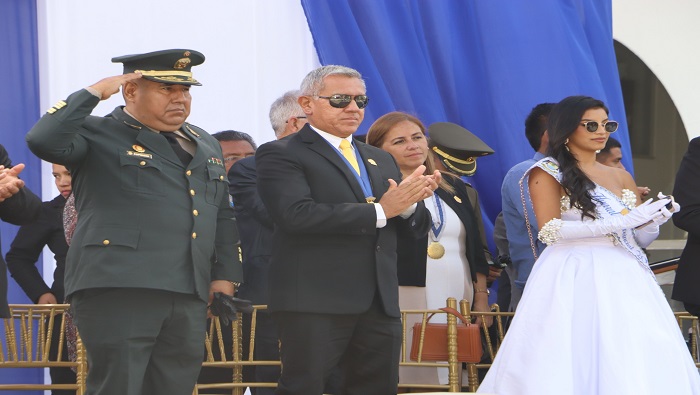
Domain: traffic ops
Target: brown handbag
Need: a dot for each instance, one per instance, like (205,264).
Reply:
(434,338)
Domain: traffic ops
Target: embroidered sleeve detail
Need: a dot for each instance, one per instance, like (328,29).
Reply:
(550,166)
(629,199)
(549,234)
(565,202)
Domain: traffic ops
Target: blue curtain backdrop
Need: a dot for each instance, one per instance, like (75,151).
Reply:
(481,64)
(19,109)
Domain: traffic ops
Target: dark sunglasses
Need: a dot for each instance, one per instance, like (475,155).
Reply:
(342,101)
(592,126)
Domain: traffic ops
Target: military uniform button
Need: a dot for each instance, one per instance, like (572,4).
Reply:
(195,212)
(142,163)
(105,242)
(192,192)
(221,178)
(194,235)
(188,172)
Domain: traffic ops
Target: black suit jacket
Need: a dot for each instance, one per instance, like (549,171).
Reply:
(19,209)
(255,228)
(24,252)
(329,256)
(687,193)
(413,253)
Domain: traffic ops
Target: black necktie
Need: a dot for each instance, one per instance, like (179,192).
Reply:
(184,156)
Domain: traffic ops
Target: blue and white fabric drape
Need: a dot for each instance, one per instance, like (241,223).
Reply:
(481,64)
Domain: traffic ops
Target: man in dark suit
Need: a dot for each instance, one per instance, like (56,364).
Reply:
(286,118)
(155,236)
(333,282)
(18,206)
(687,194)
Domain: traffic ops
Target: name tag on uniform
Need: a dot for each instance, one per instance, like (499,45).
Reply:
(139,154)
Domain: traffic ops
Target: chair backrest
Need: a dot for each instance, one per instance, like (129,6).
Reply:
(224,350)
(29,335)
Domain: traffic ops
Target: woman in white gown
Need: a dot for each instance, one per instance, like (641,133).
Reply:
(592,319)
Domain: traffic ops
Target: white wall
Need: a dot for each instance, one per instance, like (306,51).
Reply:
(255,51)
(665,36)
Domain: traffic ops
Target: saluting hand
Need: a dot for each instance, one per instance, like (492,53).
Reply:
(108,86)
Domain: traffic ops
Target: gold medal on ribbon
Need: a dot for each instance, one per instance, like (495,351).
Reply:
(436,250)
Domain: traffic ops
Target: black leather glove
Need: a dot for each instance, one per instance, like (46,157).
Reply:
(226,307)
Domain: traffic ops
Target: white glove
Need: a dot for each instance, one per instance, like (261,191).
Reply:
(666,212)
(557,229)
(646,234)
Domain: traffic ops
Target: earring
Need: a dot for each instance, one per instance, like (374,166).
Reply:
(566,146)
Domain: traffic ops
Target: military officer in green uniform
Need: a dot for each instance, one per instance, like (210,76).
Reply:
(155,234)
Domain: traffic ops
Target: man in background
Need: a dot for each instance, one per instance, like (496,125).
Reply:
(611,156)
(256,226)
(687,193)
(515,218)
(235,146)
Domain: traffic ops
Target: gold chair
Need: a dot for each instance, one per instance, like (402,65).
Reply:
(236,361)
(454,367)
(491,344)
(28,337)
(690,328)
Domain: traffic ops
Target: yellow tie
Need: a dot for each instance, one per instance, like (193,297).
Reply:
(349,154)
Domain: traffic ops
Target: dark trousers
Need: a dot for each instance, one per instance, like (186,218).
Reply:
(140,341)
(60,375)
(365,347)
(693,309)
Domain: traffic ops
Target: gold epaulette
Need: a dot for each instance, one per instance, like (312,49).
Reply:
(57,107)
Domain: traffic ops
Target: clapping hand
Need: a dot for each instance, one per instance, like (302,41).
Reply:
(10,183)
(412,189)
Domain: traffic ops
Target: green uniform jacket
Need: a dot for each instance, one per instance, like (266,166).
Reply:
(144,219)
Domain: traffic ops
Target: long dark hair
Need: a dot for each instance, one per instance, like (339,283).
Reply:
(563,121)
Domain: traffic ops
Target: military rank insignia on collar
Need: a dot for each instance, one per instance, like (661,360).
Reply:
(192,131)
(216,161)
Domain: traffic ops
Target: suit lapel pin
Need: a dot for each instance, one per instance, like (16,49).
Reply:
(458,199)
(372,162)
(138,148)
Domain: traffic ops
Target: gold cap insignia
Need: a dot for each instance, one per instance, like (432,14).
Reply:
(372,162)
(138,148)
(182,63)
